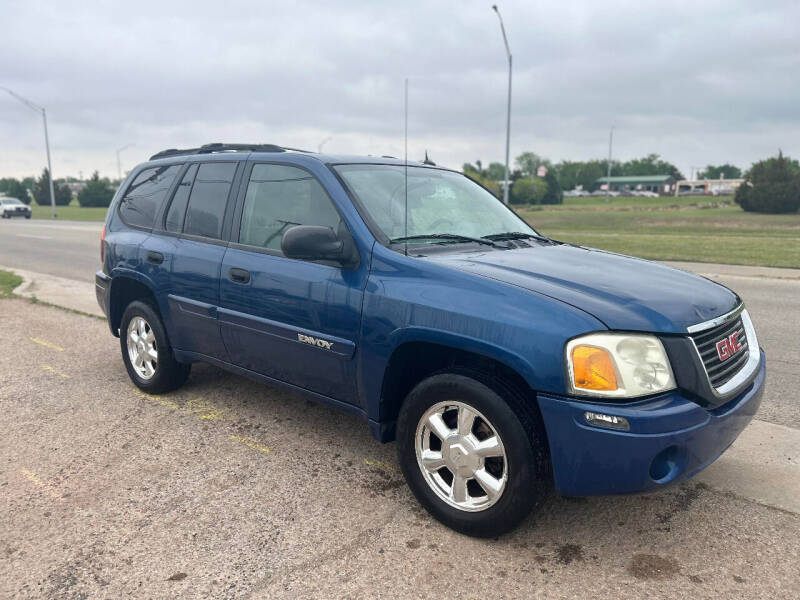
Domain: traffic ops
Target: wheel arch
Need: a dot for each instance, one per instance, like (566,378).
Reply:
(125,288)
(416,357)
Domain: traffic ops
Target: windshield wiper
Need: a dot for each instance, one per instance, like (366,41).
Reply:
(454,237)
(518,235)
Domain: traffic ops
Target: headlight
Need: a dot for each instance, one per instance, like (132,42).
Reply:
(618,365)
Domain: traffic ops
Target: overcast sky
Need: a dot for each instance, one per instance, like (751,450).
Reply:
(697,82)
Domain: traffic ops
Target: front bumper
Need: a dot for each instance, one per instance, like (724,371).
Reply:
(670,439)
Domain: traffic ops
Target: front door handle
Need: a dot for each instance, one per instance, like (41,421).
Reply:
(155,257)
(239,275)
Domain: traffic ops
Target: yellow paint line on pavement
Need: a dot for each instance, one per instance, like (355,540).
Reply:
(34,479)
(46,344)
(251,443)
(381,464)
(197,407)
(203,409)
(55,371)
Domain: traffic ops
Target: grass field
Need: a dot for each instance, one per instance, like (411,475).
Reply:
(693,228)
(657,229)
(73,212)
(8,281)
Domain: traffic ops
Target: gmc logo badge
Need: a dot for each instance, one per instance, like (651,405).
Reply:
(728,346)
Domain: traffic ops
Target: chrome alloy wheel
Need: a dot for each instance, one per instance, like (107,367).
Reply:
(461,456)
(142,347)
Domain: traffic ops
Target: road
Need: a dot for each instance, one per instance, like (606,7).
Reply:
(71,250)
(231,489)
(62,248)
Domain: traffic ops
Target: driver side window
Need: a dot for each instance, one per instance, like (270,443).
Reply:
(278,198)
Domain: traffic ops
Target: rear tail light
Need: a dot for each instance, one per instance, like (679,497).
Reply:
(103,245)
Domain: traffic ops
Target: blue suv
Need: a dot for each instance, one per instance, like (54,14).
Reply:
(501,361)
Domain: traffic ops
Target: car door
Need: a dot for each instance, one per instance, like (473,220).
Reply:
(292,320)
(194,242)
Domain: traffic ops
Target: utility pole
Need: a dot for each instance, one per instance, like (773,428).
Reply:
(41,110)
(608,170)
(508,110)
(119,164)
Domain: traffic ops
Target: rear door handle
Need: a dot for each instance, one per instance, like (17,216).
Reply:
(239,275)
(155,257)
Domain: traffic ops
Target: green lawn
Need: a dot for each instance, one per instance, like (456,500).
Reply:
(635,201)
(73,212)
(8,281)
(660,231)
(693,228)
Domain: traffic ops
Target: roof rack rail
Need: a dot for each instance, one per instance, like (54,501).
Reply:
(220,147)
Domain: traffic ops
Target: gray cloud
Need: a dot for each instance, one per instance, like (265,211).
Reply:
(697,82)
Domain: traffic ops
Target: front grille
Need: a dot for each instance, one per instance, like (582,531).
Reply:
(721,371)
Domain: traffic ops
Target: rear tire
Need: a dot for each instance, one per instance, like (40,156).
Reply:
(146,352)
(481,475)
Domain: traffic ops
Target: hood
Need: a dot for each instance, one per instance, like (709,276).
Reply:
(623,292)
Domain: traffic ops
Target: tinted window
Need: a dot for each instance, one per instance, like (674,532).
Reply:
(177,209)
(146,195)
(279,197)
(208,199)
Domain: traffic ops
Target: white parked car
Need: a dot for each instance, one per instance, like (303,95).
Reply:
(11,207)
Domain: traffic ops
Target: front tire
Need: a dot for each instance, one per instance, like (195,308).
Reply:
(146,352)
(473,453)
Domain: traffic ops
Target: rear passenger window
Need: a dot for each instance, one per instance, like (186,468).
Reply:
(208,199)
(279,197)
(177,209)
(146,194)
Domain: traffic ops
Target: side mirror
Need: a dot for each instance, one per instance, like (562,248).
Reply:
(313,242)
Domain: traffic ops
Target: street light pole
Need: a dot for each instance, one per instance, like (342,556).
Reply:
(608,169)
(508,113)
(119,163)
(40,109)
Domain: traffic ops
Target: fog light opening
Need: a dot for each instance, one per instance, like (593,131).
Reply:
(609,421)
(667,464)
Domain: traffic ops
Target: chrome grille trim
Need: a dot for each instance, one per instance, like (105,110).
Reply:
(747,362)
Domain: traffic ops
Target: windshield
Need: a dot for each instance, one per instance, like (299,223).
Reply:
(439,202)
(10,201)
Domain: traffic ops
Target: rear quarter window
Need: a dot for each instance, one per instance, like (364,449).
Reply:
(144,197)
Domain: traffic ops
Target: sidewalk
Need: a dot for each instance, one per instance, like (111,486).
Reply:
(67,293)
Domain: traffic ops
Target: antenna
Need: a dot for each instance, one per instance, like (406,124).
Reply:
(405,160)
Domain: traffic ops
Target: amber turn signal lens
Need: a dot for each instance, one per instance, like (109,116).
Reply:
(593,369)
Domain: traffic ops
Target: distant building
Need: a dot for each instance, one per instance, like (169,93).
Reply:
(714,187)
(660,184)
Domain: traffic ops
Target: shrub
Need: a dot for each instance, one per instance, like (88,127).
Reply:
(98,192)
(528,190)
(771,186)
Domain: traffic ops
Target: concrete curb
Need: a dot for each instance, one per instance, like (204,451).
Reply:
(60,291)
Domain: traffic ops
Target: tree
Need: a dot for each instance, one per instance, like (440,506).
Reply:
(528,190)
(726,171)
(553,194)
(529,163)
(652,164)
(496,171)
(14,189)
(490,185)
(771,186)
(97,192)
(41,191)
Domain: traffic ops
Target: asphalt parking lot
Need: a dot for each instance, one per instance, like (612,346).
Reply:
(228,488)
